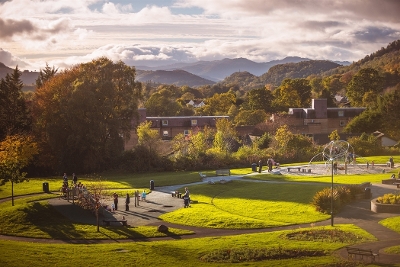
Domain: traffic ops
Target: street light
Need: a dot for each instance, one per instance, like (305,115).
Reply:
(333,151)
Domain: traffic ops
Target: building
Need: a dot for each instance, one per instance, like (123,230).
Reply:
(319,121)
(171,126)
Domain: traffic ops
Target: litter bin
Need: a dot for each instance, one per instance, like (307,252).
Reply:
(46,187)
(254,167)
(151,185)
(368,194)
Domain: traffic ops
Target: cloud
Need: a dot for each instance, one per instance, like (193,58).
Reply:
(11,61)
(383,10)
(9,28)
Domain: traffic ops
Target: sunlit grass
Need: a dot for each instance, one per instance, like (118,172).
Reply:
(169,253)
(392,223)
(248,205)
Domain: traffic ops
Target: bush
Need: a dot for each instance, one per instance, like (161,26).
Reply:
(322,201)
(389,199)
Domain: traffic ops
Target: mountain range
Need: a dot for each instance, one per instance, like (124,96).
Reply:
(191,74)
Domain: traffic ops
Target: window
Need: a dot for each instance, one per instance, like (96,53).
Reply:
(342,123)
(186,132)
(164,122)
(165,133)
(341,113)
(194,122)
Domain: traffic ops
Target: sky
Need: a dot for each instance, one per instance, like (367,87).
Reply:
(63,33)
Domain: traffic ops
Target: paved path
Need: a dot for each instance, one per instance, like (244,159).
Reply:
(160,201)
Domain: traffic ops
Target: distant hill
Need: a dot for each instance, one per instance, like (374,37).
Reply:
(176,77)
(28,77)
(218,70)
(278,73)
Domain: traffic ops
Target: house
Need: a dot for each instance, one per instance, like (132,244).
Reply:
(384,140)
(170,126)
(196,103)
(319,121)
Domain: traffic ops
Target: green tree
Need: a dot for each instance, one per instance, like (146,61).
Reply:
(250,117)
(260,98)
(225,138)
(84,113)
(368,121)
(366,80)
(162,103)
(295,93)
(334,136)
(16,152)
(218,104)
(148,137)
(14,114)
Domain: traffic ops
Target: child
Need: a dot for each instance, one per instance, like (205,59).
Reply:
(144,196)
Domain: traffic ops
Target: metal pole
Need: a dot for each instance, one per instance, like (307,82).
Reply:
(332,194)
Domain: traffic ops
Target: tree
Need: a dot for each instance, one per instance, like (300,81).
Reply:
(250,117)
(14,114)
(334,136)
(368,121)
(16,152)
(366,80)
(148,137)
(44,75)
(260,99)
(218,104)
(225,137)
(295,93)
(85,112)
(162,103)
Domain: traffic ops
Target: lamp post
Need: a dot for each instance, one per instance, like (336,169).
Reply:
(333,151)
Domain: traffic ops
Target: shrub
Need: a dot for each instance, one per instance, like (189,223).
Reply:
(322,201)
(389,199)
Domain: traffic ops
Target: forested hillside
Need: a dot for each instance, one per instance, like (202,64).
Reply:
(278,73)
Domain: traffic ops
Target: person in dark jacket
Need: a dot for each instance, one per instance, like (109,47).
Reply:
(127,201)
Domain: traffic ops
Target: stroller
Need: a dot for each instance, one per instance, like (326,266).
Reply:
(186,201)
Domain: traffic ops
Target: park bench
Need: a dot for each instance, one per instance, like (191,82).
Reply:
(223,172)
(176,194)
(354,252)
(293,168)
(397,184)
(108,222)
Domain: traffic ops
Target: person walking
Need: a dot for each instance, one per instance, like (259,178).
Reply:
(259,166)
(74,178)
(186,198)
(115,196)
(127,201)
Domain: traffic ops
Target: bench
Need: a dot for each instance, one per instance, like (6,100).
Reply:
(354,252)
(176,194)
(397,184)
(108,222)
(291,168)
(223,172)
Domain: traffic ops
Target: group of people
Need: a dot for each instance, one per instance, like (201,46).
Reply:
(74,182)
(270,163)
(128,200)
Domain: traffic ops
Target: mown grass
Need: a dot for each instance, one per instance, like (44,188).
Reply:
(238,205)
(392,223)
(179,252)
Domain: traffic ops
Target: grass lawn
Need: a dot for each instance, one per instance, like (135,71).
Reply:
(248,205)
(193,252)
